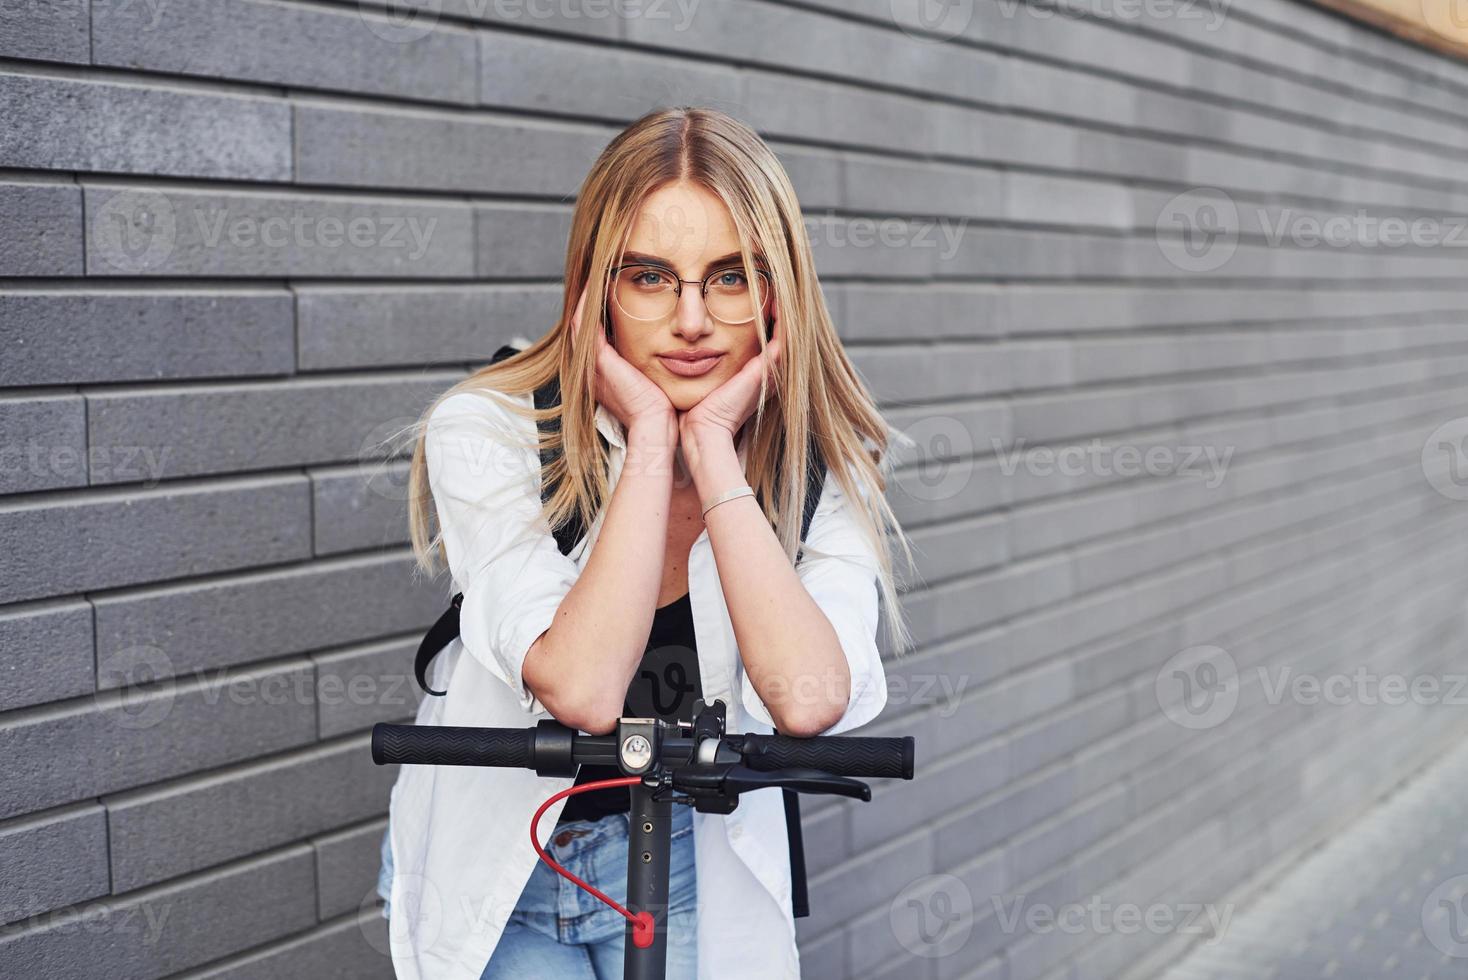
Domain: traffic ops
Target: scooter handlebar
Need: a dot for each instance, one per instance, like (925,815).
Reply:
(448,746)
(516,748)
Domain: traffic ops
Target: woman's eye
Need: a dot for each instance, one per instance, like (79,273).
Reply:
(729,280)
(650,277)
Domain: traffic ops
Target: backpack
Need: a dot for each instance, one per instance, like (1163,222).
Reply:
(567,535)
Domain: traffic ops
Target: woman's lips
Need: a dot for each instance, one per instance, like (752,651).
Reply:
(690,369)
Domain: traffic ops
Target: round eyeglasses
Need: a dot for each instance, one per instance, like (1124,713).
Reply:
(651,293)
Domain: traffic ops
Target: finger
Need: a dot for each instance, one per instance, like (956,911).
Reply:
(771,356)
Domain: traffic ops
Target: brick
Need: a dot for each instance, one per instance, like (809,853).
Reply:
(358,688)
(48,32)
(942,786)
(54,338)
(166,831)
(171,928)
(190,431)
(581,18)
(189,529)
(878,874)
(43,443)
(1050,844)
(225,621)
(825,957)
(353,51)
(42,225)
(803,109)
(355,948)
(347,864)
(48,653)
(387,326)
(171,232)
(882,184)
(360,508)
(156,732)
(970,831)
(894,373)
(948,549)
(424,150)
(932,311)
(513,241)
(57,858)
(607,82)
(66,124)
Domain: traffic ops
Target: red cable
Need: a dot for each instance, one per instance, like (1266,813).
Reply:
(642,922)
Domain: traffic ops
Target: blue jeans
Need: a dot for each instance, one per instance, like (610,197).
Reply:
(560,930)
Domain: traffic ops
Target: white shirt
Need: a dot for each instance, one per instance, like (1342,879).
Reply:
(459,835)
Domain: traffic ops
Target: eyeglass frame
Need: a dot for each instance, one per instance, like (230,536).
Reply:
(703,285)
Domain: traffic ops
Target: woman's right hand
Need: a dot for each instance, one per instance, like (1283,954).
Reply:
(627,393)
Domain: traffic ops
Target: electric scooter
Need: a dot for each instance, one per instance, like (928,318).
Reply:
(687,763)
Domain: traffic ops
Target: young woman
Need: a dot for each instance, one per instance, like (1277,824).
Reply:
(698,367)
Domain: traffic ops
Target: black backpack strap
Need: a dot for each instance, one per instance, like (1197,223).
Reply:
(799,889)
(815,480)
(438,636)
(446,629)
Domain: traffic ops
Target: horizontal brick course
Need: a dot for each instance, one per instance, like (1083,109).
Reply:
(58,338)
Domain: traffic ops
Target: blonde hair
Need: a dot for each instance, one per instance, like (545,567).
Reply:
(820,400)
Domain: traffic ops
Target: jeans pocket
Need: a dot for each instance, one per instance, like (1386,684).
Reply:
(385,872)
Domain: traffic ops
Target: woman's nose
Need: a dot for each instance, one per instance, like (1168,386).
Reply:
(691,319)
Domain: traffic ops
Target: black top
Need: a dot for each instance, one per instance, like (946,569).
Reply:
(665,686)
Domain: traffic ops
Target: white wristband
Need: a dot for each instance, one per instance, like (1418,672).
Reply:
(744,491)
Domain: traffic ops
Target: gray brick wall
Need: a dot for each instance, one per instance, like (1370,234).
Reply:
(1172,450)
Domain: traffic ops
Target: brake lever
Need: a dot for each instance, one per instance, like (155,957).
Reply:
(731,779)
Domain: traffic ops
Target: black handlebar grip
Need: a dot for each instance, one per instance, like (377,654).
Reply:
(448,746)
(838,754)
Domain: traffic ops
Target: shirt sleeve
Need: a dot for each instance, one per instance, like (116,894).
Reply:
(484,472)
(840,574)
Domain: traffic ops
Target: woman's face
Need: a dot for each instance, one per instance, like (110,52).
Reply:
(685,229)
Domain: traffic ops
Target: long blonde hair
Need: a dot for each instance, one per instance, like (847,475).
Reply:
(820,400)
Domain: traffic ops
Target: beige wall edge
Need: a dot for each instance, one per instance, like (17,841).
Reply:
(1438,24)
